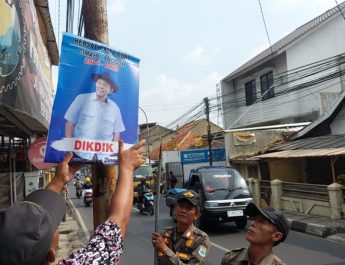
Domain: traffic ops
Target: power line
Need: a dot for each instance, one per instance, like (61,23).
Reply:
(341,11)
(263,19)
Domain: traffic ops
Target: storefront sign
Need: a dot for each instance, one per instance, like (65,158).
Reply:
(202,155)
(36,154)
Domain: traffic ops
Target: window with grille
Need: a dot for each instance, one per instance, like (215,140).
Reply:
(250,88)
(267,88)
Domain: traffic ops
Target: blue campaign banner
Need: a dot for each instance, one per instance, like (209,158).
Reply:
(201,155)
(96,102)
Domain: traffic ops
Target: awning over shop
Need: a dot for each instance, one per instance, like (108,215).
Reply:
(304,153)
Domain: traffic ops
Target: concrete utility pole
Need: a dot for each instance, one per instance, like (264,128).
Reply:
(209,136)
(103,177)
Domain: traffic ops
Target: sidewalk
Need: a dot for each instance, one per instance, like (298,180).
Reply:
(317,225)
(70,238)
(72,234)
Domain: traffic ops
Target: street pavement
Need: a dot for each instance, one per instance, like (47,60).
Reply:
(299,248)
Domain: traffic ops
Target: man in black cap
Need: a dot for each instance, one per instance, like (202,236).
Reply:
(268,228)
(183,243)
(29,229)
(95,115)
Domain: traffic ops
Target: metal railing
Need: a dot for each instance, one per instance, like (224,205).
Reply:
(265,191)
(306,191)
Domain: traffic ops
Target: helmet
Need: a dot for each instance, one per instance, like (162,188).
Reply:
(87,180)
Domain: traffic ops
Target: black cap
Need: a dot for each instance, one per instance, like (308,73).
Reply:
(190,196)
(27,228)
(275,216)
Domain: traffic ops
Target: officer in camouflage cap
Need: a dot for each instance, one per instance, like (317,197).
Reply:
(268,228)
(183,243)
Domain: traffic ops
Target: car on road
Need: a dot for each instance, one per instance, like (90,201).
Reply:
(223,192)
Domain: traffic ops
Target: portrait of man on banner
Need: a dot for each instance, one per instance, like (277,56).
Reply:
(96,103)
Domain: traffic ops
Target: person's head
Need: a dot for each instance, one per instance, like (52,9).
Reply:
(143,180)
(78,178)
(104,84)
(87,180)
(187,209)
(29,229)
(268,226)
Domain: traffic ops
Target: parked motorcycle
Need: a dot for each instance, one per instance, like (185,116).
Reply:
(88,197)
(146,206)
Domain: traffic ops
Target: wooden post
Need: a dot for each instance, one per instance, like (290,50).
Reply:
(103,177)
(333,160)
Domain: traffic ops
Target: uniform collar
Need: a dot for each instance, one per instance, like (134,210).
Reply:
(188,233)
(244,256)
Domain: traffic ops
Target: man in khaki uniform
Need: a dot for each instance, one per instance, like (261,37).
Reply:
(267,229)
(183,243)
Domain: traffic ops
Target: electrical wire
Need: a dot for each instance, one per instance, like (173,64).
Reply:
(341,11)
(263,19)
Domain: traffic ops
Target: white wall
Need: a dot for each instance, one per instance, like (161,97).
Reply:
(170,157)
(338,124)
(323,42)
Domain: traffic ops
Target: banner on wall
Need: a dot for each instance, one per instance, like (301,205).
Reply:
(96,102)
(244,138)
(25,68)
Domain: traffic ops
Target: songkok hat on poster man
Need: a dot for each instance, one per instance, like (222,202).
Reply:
(107,77)
(27,228)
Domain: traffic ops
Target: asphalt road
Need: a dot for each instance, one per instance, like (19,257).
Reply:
(299,248)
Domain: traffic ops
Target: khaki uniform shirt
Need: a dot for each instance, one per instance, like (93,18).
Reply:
(191,247)
(240,256)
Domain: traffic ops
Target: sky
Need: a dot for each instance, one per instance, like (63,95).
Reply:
(187,47)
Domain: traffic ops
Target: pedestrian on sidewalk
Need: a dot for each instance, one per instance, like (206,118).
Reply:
(29,232)
(183,243)
(172,180)
(268,228)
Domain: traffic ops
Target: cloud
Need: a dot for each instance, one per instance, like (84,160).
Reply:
(195,56)
(173,96)
(116,7)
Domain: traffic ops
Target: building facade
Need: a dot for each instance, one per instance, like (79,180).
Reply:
(295,80)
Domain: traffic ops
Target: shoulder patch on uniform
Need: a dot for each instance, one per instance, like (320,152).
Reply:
(202,251)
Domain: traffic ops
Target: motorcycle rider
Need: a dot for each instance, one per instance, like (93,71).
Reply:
(143,187)
(78,185)
(87,184)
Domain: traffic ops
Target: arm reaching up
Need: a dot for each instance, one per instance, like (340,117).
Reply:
(64,174)
(121,204)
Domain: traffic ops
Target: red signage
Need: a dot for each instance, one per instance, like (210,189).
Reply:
(36,154)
